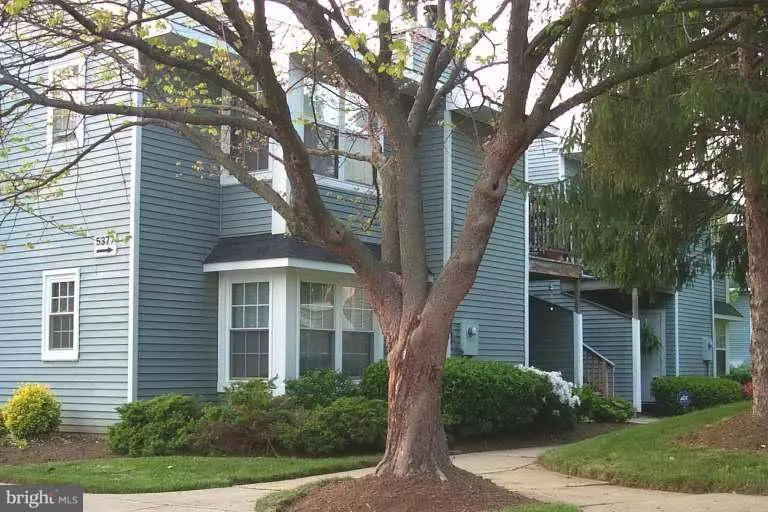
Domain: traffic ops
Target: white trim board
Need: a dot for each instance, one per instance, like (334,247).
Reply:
(527,277)
(321,266)
(133,255)
(58,355)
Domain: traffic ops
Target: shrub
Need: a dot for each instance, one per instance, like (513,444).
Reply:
(603,409)
(159,426)
(740,375)
(349,424)
(375,381)
(319,388)
(486,398)
(3,430)
(703,392)
(748,390)
(31,413)
(246,421)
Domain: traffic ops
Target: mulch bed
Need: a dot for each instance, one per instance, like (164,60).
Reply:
(533,439)
(58,447)
(740,432)
(462,492)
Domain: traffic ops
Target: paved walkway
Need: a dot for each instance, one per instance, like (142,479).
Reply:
(514,469)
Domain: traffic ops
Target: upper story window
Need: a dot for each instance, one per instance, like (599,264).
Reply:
(61,312)
(337,119)
(247,148)
(67,83)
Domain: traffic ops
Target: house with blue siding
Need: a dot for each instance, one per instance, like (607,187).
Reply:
(209,287)
(582,322)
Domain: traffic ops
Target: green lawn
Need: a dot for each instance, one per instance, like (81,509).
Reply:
(157,474)
(649,456)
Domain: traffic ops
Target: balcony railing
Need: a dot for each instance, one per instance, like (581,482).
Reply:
(551,235)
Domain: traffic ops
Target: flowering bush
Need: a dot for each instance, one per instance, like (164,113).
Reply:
(747,390)
(561,388)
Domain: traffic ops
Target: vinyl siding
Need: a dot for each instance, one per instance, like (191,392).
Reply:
(669,320)
(95,197)
(243,212)
(497,299)
(431,161)
(355,210)
(610,333)
(721,293)
(543,161)
(740,334)
(605,330)
(178,227)
(551,338)
(695,322)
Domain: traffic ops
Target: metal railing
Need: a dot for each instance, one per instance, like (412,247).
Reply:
(599,372)
(551,235)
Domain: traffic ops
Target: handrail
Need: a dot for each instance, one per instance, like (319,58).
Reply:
(599,355)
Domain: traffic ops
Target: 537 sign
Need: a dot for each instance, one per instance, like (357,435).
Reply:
(104,246)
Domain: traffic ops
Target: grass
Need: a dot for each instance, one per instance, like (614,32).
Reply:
(158,474)
(650,456)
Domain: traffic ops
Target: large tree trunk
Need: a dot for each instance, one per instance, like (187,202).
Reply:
(756,196)
(416,443)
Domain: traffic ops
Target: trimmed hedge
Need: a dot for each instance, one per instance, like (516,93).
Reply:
(703,392)
(159,426)
(348,425)
(740,375)
(483,398)
(318,388)
(603,409)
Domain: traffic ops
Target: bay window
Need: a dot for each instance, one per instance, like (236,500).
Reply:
(336,328)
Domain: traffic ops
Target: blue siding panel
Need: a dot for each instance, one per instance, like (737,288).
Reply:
(356,210)
(243,212)
(551,337)
(610,333)
(543,157)
(431,161)
(178,226)
(497,299)
(669,320)
(95,197)
(695,323)
(740,334)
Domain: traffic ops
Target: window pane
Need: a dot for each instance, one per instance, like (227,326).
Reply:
(317,306)
(61,331)
(321,103)
(315,350)
(237,317)
(249,354)
(251,316)
(252,293)
(357,312)
(357,171)
(357,352)
(323,138)
(238,294)
(721,362)
(264,293)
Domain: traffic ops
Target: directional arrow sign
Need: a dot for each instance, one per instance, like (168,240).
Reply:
(104,246)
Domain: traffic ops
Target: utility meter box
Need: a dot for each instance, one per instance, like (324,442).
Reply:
(469,337)
(706,348)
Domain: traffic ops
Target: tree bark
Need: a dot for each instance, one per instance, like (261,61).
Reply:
(416,443)
(756,199)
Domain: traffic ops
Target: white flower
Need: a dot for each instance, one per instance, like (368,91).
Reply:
(561,388)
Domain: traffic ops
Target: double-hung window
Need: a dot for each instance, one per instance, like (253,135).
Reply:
(336,328)
(61,311)
(67,83)
(249,331)
(248,148)
(336,122)
(721,346)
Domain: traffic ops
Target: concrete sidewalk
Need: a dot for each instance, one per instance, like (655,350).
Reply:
(514,469)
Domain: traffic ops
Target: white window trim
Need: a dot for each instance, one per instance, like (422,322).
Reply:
(47,354)
(337,282)
(79,97)
(276,290)
(225,178)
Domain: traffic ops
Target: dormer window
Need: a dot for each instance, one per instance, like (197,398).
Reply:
(336,121)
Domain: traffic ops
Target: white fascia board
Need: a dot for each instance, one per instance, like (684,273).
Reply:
(321,266)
